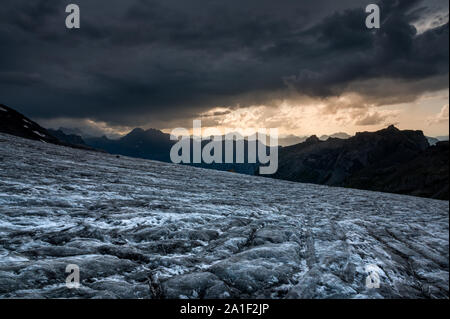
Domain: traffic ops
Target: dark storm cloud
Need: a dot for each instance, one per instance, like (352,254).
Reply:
(137,62)
(18,78)
(393,52)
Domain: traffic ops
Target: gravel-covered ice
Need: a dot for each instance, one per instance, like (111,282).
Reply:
(145,229)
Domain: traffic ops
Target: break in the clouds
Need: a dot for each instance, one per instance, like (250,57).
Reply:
(162,63)
(441,117)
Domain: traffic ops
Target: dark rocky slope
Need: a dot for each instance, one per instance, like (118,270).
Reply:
(425,176)
(387,160)
(67,138)
(15,123)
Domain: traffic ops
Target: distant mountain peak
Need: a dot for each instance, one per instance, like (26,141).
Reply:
(141,133)
(340,135)
(392,128)
(312,139)
(136,130)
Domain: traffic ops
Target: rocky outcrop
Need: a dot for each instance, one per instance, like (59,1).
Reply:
(15,123)
(67,138)
(426,175)
(386,160)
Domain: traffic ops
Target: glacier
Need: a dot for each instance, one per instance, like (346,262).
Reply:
(145,229)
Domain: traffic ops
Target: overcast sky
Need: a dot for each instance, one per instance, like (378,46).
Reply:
(305,67)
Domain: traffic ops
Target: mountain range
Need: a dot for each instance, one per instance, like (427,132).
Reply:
(389,160)
(155,145)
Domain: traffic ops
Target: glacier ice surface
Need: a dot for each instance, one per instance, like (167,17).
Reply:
(146,229)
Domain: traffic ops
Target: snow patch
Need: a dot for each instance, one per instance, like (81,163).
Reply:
(40,134)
